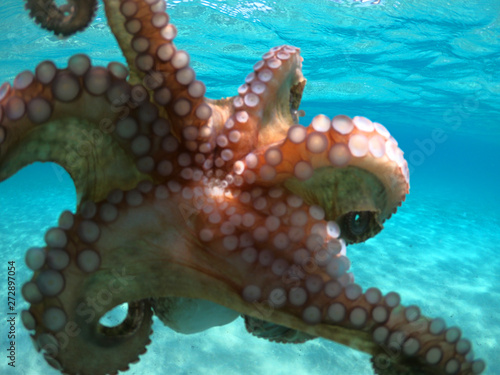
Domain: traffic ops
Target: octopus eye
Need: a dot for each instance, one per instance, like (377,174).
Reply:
(358,222)
(357,226)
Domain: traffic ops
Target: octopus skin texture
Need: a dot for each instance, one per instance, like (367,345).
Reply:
(201,210)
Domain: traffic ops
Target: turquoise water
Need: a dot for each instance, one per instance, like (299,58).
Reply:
(418,67)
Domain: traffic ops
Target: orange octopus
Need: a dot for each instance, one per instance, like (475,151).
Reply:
(201,210)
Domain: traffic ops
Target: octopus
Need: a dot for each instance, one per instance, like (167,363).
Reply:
(200,211)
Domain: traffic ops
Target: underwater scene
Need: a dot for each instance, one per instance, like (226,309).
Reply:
(337,214)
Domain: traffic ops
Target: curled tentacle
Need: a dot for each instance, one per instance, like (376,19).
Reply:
(76,282)
(66,19)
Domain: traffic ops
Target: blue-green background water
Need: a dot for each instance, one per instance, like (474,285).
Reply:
(419,67)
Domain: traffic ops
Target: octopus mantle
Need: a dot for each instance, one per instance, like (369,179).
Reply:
(202,210)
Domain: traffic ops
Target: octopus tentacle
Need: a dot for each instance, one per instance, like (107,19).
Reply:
(66,19)
(74,285)
(400,340)
(146,38)
(85,118)
(265,107)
